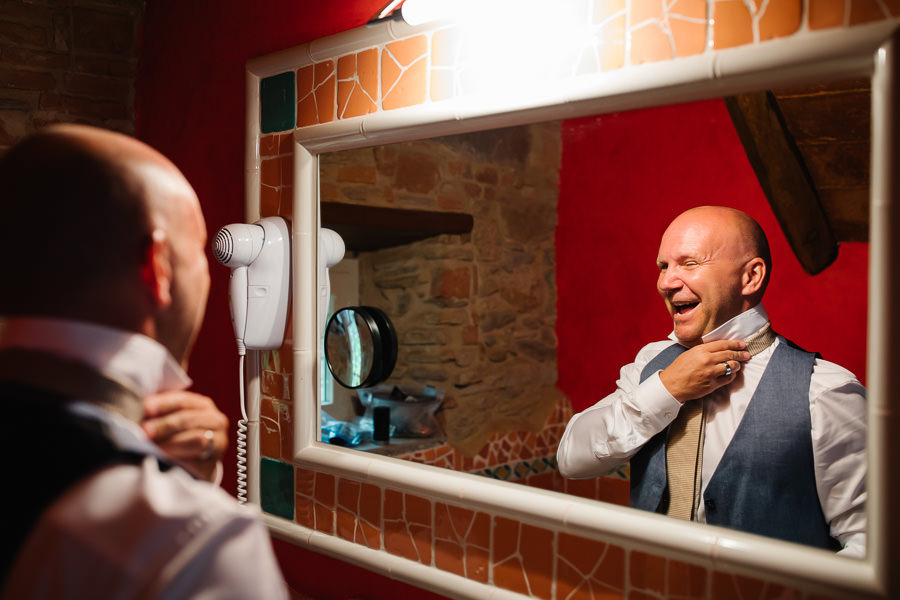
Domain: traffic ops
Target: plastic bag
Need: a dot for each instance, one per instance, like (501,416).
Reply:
(412,408)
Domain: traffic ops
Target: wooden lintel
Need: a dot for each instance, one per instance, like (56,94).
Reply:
(784,178)
(366,228)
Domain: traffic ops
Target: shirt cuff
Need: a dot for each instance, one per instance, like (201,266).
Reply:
(658,407)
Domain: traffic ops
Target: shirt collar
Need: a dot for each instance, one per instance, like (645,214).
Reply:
(132,359)
(740,327)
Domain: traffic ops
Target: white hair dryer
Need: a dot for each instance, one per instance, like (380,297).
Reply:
(259,255)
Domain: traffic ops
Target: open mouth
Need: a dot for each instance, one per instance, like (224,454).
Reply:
(683,308)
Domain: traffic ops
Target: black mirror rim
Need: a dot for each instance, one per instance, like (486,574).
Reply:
(384,345)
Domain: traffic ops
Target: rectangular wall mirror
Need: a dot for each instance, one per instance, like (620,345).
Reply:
(507,234)
(516,264)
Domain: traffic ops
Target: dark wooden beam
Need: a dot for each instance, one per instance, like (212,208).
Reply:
(784,179)
(366,228)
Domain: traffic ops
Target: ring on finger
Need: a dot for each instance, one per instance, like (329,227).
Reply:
(210,446)
(727,369)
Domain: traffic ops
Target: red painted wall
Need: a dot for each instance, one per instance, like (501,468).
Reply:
(624,177)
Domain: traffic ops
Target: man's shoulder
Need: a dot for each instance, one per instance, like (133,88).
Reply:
(170,503)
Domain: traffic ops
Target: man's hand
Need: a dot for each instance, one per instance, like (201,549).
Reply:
(180,422)
(701,370)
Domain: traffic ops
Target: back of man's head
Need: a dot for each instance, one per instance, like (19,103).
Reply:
(74,222)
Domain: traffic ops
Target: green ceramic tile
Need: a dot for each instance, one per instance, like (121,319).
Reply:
(277,102)
(276,483)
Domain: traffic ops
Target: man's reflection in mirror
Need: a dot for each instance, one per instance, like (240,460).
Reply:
(727,422)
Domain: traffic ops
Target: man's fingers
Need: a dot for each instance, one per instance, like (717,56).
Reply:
(194,445)
(169,402)
(162,428)
(730,355)
(720,345)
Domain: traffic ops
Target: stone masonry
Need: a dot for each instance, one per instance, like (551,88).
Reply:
(475,313)
(67,61)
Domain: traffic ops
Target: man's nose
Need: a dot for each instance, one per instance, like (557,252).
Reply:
(668,280)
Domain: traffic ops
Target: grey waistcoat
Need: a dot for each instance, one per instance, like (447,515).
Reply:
(765,482)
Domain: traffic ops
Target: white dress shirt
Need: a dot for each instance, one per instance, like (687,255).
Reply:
(604,436)
(133,531)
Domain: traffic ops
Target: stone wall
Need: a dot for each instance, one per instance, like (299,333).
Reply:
(475,312)
(67,61)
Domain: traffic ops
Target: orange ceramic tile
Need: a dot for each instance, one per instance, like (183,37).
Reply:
(645,10)
(272,384)
(307,113)
(689,36)
(409,89)
(536,549)
(269,201)
(270,172)
(686,581)
(304,511)
(304,482)
(285,143)
(367,72)
(407,526)
(346,67)
(323,519)
(781,18)
(509,574)
(305,80)
(408,51)
(268,145)
(605,581)
(588,562)
(324,489)
(357,84)
(287,170)
(348,495)
(269,432)
(345,525)
(286,429)
(726,585)
(477,564)
(370,504)
(368,535)
(649,43)
(865,11)
(647,572)
(449,556)
(732,24)
(325,100)
(506,539)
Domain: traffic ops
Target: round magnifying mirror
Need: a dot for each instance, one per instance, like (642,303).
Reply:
(360,346)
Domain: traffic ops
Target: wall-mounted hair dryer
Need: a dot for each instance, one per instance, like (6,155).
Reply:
(259,255)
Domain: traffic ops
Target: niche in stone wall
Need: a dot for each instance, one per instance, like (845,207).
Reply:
(453,238)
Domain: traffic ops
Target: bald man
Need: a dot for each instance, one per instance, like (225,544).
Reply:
(108,457)
(778,433)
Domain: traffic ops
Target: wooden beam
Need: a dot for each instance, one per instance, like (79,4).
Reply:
(366,228)
(784,179)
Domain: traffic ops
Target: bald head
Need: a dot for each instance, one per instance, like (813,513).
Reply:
(82,207)
(714,263)
(749,238)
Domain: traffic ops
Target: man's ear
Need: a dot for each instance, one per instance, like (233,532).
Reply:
(753,276)
(156,270)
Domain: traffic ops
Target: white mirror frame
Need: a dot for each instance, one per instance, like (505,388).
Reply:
(862,51)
